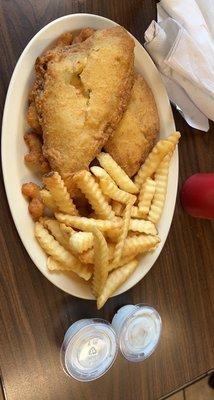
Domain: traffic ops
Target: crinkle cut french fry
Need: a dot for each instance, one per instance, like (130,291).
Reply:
(133,245)
(123,234)
(113,235)
(161,179)
(140,244)
(174,138)
(55,250)
(47,199)
(109,187)
(117,173)
(146,195)
(111,190)
(136,225)
(142,226)
(54,265)
(86,182)
(123,261)
(81,241)
(136,213)
(100,262)
(59,192)
(154,158)
(86,224)
(87,257)
(118,208)
(54,227)
(67,230)
(115,280)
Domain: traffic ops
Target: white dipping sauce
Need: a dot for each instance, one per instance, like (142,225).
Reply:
(138,329)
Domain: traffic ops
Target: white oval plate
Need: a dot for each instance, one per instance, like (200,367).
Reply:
(13,147)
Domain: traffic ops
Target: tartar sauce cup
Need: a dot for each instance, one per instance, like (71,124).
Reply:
(138,328)
(89,349)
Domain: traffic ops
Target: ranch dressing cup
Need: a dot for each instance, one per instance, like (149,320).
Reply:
(138,329)
(89,349)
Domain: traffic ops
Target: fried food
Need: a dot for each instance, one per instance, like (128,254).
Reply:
(82,101)
(54,265)
(100,274)
(136,213)
(81,241)
(108,186)
(87,224)
(118,208)
(134,245)
(47,200)
(55,250)
(83,35)
(36,206)
(31,190)
(117,173)
(146,195)
(67,230)
(161,180)
(85,181)
(163,147)
(32,118)
(66,39)
(35,159)
(54,228)
(142,226)
(122,235)
(81,92)
(137,131)
(115,280)
(60,195)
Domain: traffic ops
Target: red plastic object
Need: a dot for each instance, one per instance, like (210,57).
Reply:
(197,195)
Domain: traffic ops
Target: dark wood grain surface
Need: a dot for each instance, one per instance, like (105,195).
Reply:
(35,314)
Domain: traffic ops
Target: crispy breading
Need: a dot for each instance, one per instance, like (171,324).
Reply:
(81,92)
(32,192)
(35,159)
(65,39)
(83,35)
(32,118)
(136,133)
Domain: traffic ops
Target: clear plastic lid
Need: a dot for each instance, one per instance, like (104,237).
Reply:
(89,349)
(138,329)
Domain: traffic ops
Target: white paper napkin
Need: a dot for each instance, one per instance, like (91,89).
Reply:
(183,49)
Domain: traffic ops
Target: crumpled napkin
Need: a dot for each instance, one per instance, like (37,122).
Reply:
(181,44)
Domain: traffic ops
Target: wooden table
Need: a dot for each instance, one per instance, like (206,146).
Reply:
(35,314)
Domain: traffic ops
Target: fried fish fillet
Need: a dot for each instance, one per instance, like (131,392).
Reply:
(135,135)
(66,39)
(80,94)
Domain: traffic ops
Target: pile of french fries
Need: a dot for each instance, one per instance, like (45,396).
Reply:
(103,247)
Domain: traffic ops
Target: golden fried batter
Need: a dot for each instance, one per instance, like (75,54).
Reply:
(32,192)
(35,159)
(83,35)
(135,135)
(32,118)
(81,92)
(65,39)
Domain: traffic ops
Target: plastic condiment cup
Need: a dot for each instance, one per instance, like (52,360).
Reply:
(89,349)
(138,329)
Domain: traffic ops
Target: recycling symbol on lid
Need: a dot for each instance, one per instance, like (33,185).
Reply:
(92,351)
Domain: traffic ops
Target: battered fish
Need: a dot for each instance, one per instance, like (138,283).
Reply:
(66,39)
(135,135)
(80,94)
